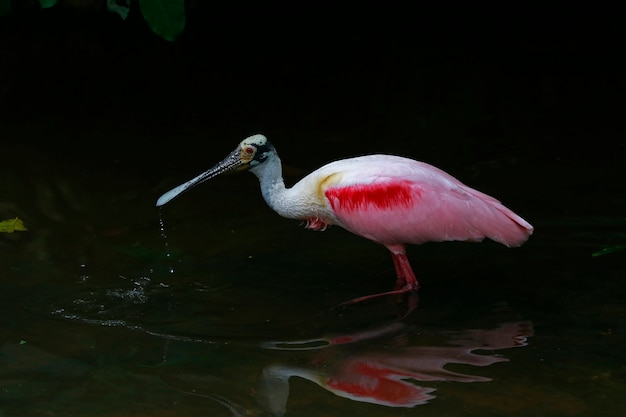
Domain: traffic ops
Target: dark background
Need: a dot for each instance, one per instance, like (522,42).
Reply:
(477,90)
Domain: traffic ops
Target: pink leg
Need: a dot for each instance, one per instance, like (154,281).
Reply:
(406,281)
(406,277)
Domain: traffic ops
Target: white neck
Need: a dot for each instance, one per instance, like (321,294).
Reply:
(297,202)
(270,175)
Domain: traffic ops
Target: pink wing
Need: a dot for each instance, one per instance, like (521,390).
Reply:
(395,200)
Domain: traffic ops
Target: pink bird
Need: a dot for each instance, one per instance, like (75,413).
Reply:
(388,199)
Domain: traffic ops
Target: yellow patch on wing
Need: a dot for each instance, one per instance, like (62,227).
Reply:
(327,182)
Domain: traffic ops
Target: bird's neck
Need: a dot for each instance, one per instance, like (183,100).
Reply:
(270,175)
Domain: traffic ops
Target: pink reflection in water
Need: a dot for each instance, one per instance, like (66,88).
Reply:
(388,374)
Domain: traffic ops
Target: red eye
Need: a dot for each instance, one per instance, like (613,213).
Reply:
(249,150)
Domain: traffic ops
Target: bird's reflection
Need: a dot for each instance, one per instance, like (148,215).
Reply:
(393,364)
(390,369)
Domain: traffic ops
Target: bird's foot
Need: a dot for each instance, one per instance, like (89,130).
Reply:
(403,285)
(408,288)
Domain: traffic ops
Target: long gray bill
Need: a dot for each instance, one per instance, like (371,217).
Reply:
(171,194)
(230,163)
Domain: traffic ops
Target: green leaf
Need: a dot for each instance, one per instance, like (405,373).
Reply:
(121,8)
(11,225)
(166,18)
(45,4)
(609,249)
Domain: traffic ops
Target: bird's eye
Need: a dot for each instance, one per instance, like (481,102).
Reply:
(249,150)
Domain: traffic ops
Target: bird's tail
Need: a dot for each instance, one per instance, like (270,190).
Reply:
(512,235)
(505,226)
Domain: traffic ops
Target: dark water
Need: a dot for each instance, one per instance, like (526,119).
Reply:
(214,305)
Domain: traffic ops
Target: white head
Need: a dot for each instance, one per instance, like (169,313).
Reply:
(254,150)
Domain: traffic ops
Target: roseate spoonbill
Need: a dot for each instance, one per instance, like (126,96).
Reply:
(389,199)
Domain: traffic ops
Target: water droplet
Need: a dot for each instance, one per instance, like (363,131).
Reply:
(168,255)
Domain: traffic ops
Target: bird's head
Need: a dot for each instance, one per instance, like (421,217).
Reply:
(253,151)
(250,153)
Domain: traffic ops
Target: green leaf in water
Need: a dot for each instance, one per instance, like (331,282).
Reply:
(12,225)
(166,18)
(609,249)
